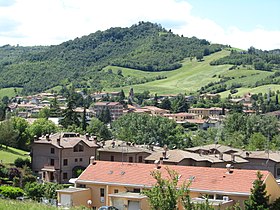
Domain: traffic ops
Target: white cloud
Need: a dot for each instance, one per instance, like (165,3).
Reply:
(47,22)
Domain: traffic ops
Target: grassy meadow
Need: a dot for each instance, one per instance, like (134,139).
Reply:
(193,75)
(9,154)
(10,92)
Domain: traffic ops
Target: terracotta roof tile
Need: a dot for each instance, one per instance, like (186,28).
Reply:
(206,179)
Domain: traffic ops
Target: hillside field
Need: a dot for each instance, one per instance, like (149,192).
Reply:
(10,154)
(193,75)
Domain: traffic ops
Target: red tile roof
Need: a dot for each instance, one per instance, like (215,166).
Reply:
(206,179)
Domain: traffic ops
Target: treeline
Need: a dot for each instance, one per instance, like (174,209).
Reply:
(145,46)
(260,60)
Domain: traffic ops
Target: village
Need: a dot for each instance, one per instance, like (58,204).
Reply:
(113,172)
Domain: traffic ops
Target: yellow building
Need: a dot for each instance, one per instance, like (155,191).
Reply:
(120,184)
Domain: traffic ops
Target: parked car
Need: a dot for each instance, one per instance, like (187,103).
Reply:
(107,208)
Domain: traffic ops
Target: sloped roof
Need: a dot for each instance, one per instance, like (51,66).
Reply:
(66,142)
(204,179)
(264,155)
(219,147)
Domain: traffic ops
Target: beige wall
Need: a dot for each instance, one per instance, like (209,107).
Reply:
(78,198)
(272,188)
(119,157)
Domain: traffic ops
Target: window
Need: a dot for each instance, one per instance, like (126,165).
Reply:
(130,159)
(116,190)
(65,176)
(52,150)
(65,162)
(136,190)
(278,171)
(52,162)
(112,158)
(79,148)
(81,159)
(102,192)
(140,159)
(76,159)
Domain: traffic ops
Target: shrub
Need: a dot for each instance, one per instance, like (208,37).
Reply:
(11,192)
(20,162)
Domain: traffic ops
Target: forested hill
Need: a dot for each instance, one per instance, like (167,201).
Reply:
(144,46)
(258,59)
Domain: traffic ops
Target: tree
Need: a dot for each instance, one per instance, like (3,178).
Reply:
(165,194)
(165,104)
(21,126)
(199,57)
(257,141)
(105,115)
(44,113)
(41,127)
(8,135)
(70,117)
(99,129)
(258,200)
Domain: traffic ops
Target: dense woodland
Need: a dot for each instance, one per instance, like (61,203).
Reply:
(144,46)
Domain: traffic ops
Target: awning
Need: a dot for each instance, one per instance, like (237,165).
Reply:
(128,195)
(72,190)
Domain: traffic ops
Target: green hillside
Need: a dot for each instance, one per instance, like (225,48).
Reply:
(145,46)
(10,154)
(193,75)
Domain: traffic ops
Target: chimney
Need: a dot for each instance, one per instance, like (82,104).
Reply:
(232,157)
(247,154)
(58,141)
(35,138)
(87,136)
(228,166)
(92,160)
(77,134)
(157,163)
(161,160)
(164,154)
(48,137)
(221,156)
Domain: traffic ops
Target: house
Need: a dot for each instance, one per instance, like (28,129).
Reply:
(262,160)
(115,108)
(56,157)
(208,112)
(121,184)
(155,110)
(180,117)
(186,158)
(122,151)
(256,160)
(209,96)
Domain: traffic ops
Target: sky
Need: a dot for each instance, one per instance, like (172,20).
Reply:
(239,23)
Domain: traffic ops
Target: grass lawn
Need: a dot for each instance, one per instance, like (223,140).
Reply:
(27,205)
(10,154)
(189,78)
(10,92)
(260,89)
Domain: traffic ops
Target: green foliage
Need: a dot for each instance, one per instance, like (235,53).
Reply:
(275,205)
(8,135)
(258,200)
(20,162)
(41,127)
(145,46)
(11,192)
(143,128)
(165,195)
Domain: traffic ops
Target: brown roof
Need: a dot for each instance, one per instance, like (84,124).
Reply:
(204,179)
(66,142)
(176,156)
(274,156)
(219,147)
